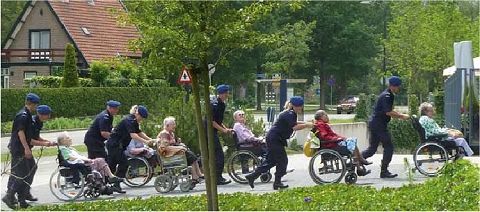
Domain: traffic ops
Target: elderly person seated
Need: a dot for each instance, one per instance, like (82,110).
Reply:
(245,136)
(139,148)
(427,113)
(171,145)
(325,133)
(76,162)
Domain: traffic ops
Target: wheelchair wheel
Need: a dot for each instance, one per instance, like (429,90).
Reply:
(350,178)
(430,158)
(163,183)
(62,187)
(139,172)
(240,164)
(266,177)
(327,166)
(185,185)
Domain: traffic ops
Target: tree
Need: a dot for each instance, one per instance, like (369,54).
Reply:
(176,34)
(70,73)
(10,12)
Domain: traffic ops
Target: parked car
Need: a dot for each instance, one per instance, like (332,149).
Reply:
(347,105)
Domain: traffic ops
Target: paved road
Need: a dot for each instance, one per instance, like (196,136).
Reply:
(299,178)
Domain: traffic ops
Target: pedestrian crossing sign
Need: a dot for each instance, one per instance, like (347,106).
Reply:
(185,77)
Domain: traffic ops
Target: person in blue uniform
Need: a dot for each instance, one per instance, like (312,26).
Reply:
(120,138)
(276,138)
(22,161)
(377,124)
(100,130)
(218,109)
(43,114)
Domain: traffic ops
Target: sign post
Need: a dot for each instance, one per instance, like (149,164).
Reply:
(331,82)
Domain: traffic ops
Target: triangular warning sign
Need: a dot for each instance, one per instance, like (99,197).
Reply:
(185,77)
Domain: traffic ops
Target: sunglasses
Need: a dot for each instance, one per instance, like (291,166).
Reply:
(241,114)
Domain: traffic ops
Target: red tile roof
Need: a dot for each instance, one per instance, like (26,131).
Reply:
(107,38)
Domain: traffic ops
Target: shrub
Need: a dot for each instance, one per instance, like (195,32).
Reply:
(74,102)
(70,74)
(456,190)
(413,104)
(361,108)
(99,73)
(439,102)
(404,136)
(371,102)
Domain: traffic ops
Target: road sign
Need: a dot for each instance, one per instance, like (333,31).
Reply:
(317,91)
(331,82)
(185,77)
(260,76)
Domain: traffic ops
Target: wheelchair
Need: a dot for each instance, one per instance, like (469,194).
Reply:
(244,161)
(141,170)
(91,185)
(174,172)
(433,153)
(331,164)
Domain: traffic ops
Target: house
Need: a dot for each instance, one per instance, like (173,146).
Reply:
(36,43)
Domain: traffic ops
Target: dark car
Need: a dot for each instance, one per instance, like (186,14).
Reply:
(347,105)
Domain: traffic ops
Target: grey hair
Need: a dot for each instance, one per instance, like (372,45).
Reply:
(424,107)
(319,114)
(168,120)
(62,137)
(237,112)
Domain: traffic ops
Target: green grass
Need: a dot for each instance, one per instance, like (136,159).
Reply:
(48,151)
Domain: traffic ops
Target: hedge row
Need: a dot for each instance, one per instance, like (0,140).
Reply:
(83,101)
(456,190)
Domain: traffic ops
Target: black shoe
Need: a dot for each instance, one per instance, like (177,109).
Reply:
(363,172)
(30,197)
(9,200)
(387,174)
(115,179)
(250,178)
(366,162)
(119,190)
(223,182)
(24,204)
(277,186)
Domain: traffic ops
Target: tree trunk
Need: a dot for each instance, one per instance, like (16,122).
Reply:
(203,141)
(210,141)
(259,96)
(323,83)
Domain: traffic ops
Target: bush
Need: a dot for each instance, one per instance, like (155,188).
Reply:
(371,102)
(99,73)
(456,190)
(439,103)
(70,74)
(404,136)
(361,108)
(75,102)
(413,104)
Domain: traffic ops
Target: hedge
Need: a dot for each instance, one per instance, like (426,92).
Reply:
(455,190)
(84,101)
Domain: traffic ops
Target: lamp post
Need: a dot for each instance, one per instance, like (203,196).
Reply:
(384,61)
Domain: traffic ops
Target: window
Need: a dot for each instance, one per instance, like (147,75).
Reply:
(85,31)
(5,82)
(40,39)
(29,75)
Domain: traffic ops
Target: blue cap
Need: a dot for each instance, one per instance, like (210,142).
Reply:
(296,101)
(222,89)
(142,110)
(33,98)
(395,81)
(113,103)
(44,110)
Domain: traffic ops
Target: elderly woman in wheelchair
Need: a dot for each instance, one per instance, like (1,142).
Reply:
(438,144)
(335,155)
(73,167)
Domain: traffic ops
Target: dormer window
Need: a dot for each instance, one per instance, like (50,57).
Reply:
(85,31)
(91,2)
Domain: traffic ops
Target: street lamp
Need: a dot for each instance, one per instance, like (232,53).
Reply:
(384,62)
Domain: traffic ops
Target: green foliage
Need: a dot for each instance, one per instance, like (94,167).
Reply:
(361,111)
(54,82)
(10,12)
(74,102)
(404,136)
(455,190)
(413,104)
(439,103)
(99,72)
(70,73)
(371,102)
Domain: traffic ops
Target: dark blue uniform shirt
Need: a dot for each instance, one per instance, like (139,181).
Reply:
(121,134)
(103,122)
(379,119)
(37,126)
(283,126)
(23,121)
(218,109)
